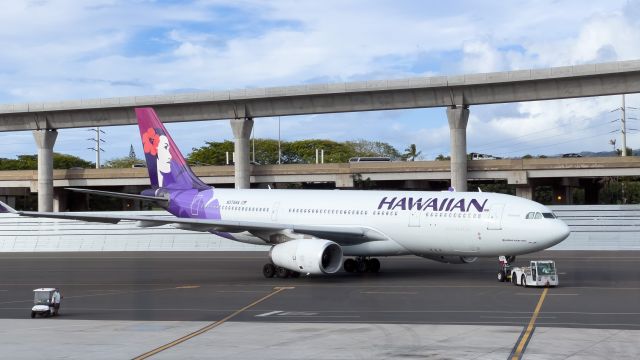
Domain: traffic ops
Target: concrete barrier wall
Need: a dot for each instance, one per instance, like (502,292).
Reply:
(601,227)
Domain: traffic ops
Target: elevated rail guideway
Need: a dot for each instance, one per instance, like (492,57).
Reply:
(456,93)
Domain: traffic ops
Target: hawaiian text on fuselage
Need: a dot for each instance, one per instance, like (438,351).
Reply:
(433,204)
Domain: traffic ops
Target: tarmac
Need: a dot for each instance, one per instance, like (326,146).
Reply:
(218,305)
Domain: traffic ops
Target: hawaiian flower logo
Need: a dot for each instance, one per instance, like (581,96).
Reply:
(150,141)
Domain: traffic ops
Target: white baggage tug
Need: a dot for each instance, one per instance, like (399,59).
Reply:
(539,273)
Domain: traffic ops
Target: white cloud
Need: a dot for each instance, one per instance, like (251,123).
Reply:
(54,50)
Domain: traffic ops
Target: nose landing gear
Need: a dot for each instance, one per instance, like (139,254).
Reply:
(504,269)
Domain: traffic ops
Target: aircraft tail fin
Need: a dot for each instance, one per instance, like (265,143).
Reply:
(166,165)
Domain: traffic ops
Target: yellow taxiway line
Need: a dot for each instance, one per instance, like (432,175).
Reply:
(213,325)
(517,354)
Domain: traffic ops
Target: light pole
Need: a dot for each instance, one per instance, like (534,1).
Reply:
(97,148)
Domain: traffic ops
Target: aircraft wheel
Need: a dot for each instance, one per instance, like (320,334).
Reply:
(523,281)
(282,273)
(350,265)
(373,265)
(294,274)
(268,270)
(514,279)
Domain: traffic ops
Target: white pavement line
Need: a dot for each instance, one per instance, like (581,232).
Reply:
(268,314)
(389,292)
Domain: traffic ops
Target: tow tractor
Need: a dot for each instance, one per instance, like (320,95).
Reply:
(46,302)
(539,273)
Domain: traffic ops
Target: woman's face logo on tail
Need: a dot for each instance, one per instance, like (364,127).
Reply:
(164,155)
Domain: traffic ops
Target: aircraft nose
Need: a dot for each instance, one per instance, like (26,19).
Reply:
(561,232)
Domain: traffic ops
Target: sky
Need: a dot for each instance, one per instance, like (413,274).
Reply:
(69,50)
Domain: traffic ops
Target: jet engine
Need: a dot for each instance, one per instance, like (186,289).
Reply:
(308,256)
(452,259)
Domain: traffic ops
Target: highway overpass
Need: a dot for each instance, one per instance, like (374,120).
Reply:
(456,93)
(524,173)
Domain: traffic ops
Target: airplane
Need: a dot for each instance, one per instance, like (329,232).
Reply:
(315,232)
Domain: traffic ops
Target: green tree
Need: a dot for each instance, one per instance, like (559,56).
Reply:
(620,191)
(213,153)
(629,151)
(30,162)
(123,162)
(411,153)
(65,161)
(373,148)
(443,158)
(304,151)
(132,152)
(266,151)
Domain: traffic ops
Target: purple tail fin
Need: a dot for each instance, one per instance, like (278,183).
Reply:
(166,165)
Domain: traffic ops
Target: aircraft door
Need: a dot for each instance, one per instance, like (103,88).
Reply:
(414,218)
(495,217)
(274,211)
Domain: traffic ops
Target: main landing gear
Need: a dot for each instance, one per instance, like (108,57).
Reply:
(361,264)
(269,270)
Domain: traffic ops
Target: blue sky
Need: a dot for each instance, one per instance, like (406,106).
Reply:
(63,49)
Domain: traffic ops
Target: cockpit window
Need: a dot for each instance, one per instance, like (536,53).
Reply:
(537,215)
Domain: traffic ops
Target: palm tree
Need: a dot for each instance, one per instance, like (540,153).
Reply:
(411,152)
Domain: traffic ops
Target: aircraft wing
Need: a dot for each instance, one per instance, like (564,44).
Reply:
(343,235)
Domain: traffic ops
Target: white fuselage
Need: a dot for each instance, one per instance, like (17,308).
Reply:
(420,223)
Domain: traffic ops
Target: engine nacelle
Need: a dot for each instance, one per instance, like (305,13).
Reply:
(452,259)
(308,256)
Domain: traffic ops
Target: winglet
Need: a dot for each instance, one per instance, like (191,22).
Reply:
(4,208)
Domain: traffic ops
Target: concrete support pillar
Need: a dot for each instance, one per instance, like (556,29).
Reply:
(45,139)
(591,191)
(241,133)
(344,181)
(458,117)
(524,191)
(59,200)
